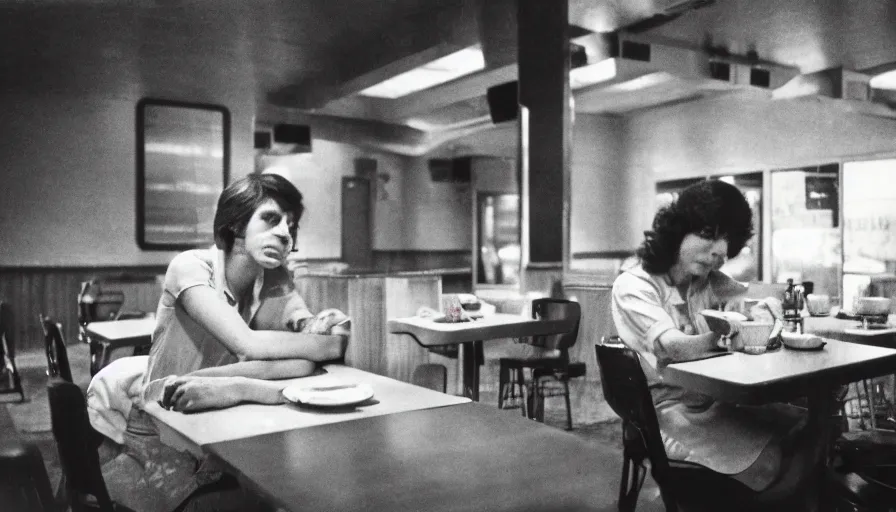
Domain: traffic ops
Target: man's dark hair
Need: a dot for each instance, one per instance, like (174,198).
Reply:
(711,209)
(242,197)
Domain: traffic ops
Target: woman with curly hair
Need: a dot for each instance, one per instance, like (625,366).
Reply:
(655,306)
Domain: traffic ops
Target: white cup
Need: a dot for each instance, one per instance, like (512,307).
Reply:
(818,304)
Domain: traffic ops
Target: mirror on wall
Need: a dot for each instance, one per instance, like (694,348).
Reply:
(805,227)
(498,240)
(183,158)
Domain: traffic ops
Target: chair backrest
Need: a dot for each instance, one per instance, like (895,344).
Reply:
(7,330)
(96,304)
(555,309)
(57,354)
(625,389)
(76,444)
(431,375)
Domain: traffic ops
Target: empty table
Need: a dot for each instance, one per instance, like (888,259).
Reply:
(114,334)
(431,333)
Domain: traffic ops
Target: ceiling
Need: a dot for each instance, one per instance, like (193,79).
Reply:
(312,57)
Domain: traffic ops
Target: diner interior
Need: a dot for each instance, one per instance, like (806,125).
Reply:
(500,156)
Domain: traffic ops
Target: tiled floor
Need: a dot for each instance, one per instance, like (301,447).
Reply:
(32,420)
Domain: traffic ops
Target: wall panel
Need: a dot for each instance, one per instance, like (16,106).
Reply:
(54,292)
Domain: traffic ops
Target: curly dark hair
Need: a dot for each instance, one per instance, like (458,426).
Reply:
(239,201)
(711,209)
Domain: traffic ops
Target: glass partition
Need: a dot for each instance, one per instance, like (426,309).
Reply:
(498,239)
(805,227)
(869,229)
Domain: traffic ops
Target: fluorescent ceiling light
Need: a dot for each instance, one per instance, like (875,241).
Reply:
(592,74)
(885,80)
(437,72)
(642,82)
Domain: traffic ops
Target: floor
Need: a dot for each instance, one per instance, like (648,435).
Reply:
(31,419)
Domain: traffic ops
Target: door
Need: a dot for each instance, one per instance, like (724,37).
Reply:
(357,242)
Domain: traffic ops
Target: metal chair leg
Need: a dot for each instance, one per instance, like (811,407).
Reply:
(525,395)
(869,396)
(568,406)
(503,377)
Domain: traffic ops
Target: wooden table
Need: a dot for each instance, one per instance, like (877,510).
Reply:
(464,457)
(470,335)
(115,334)
(193,431)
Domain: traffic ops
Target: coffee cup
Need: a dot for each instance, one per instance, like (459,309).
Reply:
(818,304)
(753,337)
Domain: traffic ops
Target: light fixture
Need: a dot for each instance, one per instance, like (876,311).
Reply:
(592,74)
(885,80)
(437,72)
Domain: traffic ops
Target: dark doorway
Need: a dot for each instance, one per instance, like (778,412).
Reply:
(357,242)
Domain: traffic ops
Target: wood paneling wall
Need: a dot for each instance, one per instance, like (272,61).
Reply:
(371,301)
(597,321)
(54,292)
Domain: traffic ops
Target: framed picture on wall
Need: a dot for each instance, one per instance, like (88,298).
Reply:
(183,164)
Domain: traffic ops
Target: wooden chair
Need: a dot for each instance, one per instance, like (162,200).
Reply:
(24,484)
(54,345)
(682,484)
(8,347)
(77,443)
(550,375)
(431,375)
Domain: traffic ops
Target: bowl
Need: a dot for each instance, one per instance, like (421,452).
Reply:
(872,306)
(752,337)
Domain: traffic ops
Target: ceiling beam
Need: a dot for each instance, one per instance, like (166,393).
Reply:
(433,98)
(410,43)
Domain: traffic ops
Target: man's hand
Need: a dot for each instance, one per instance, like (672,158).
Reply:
(193,394)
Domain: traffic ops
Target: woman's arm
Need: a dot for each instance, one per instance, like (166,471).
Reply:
(267,370)
(678,346)
(204,306)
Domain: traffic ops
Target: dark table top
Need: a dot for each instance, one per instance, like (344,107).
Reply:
(463,457)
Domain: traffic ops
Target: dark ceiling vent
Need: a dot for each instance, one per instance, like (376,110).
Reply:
(760,77)
(578,57)
(720,70)
(634,50)
(503,102)
(451,170)
(262,140)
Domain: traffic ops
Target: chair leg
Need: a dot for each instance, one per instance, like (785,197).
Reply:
(537,402)
(525,406)
(633,476)
(568,406)
(503,377)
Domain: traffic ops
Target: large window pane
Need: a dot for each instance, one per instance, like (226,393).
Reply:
(805,234)
(869,228)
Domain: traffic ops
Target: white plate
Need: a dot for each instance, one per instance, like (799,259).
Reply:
(328,394)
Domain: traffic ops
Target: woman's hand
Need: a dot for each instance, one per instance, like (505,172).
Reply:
(193,394)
